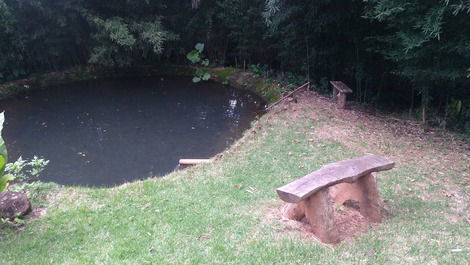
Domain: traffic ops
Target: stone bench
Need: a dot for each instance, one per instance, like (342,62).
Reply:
(312,196)
(340,90)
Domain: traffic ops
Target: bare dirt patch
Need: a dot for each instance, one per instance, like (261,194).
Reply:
(36,213)
(349,222)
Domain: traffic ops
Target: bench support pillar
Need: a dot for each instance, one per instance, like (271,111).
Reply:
(369,205)
(294,211)
(339,97)
(335,93)
(341,100)
(364,191)
(320,215)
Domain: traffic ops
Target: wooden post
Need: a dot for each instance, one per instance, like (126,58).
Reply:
(320,215)
(369,204)
(335,93)
(341,100)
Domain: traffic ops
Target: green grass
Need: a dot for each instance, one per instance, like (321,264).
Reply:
(216,213)
(269,89)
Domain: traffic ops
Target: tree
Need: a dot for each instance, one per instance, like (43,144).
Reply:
(428,42)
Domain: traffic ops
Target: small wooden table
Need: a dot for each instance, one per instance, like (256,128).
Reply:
(353,179)
(340,90)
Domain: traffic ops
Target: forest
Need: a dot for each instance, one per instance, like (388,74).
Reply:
(408,56)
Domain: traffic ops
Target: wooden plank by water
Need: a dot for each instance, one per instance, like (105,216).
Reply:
(184,161)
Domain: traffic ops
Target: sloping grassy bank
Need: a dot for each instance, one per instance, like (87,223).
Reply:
(225,212)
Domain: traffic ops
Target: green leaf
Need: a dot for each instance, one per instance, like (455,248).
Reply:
(4,180)
(206,76)
(19,221)
(3,157)
(3,148)
(199,47)
(205,62)
(3,163)
(193,56)
(196,79)
(199,72)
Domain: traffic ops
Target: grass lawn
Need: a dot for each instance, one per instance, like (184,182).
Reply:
(221,213)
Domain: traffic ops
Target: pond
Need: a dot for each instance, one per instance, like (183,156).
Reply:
(111,131)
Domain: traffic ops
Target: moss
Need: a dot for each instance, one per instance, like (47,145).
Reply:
(225,73)
(171,70)
(12,89)
(81,75)
(267,88)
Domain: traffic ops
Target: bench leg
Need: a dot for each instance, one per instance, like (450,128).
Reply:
(294,211)
(369,204)
(320,215)
(335,93)
(341,100)
(364,191)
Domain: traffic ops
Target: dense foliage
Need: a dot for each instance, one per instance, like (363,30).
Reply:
(397,53)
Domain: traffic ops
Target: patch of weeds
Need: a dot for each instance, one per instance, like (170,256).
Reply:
(13,89)
(338,207)
(225,73)
(39,192)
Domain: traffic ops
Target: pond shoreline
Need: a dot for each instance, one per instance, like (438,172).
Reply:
(269,90)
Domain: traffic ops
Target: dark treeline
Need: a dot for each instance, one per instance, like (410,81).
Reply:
(406,54)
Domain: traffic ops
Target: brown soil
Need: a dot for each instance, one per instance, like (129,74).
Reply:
(36,213)
(349,222)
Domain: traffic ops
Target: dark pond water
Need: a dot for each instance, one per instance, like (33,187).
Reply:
(107,132)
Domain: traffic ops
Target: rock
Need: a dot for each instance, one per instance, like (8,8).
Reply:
(14,204)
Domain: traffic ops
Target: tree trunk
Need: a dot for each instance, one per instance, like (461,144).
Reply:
(424,104)
(412,101)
